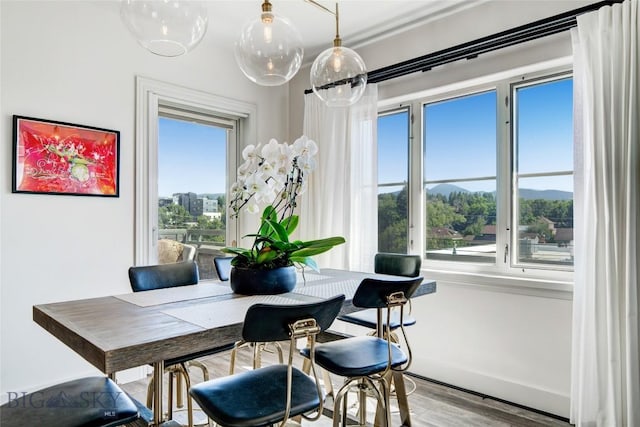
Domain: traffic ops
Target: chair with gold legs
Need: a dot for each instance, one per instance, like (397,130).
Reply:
(271,395)
(150,277)
(223,270)
(396,265)
(368,360)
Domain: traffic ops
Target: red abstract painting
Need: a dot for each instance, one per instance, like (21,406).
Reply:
(63,158)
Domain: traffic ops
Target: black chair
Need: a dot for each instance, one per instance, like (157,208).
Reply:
(223,267)
(273,394)
(223,270)
(365,360)
(394,264)
(149,277)
(85,402)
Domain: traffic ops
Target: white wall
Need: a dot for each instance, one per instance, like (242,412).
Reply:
(513,346)
(75,62)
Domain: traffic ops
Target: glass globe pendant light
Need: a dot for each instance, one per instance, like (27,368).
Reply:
(338,75)
(166,27)
(269,51)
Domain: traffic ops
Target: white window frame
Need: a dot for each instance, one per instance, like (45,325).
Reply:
(503,276)
(150,96)
(514,85)
(410,200)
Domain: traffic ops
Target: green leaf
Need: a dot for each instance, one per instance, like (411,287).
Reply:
(279,230)
(266,256)
(308,261)
(290,223)
(238,251)
(329,241)
(269,213)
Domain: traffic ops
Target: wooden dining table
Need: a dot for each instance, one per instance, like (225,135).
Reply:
(119,332)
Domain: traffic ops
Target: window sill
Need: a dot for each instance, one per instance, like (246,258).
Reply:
(538,287)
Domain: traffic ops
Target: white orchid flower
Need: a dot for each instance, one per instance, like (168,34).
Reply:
(266,194)
(236,188)
(306,163)
(246,168)
(251,152)
(271,151)
(254,183)
(253,208)
(304,146)
(267,170)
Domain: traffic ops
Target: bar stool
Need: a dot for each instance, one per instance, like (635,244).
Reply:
(367,360)
(90,401)
(397,265)
(272,394)
(149,277)
(394,264)
(223,269)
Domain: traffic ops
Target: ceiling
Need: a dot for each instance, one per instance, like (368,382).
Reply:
(361,21)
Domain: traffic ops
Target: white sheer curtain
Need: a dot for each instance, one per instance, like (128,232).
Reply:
(342,195)
(605,389)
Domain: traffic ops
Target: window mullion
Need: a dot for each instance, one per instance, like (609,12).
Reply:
(417,225)
(503,182)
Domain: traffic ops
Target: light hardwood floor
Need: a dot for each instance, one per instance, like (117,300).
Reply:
(432,405)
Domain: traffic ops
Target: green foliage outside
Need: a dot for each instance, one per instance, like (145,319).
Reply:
(173,216)
(463,214)
(177,217)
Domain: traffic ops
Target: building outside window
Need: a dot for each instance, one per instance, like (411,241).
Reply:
(192,182)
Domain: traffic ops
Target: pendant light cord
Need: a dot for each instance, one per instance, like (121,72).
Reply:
(337,41)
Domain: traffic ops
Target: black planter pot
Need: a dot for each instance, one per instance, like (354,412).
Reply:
(251,281)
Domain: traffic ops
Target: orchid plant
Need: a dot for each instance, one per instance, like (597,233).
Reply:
(275,175)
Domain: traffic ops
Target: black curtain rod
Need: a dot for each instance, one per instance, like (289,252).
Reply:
(534,30)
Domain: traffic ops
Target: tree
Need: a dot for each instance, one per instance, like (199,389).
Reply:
(173,216)
(441,214)
(392,221)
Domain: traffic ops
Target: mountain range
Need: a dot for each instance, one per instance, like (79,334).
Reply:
(525,193)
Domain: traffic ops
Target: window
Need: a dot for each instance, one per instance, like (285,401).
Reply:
(543,172)
(192,182)
(460,178)
(393,175)
(187,138)
(496,176)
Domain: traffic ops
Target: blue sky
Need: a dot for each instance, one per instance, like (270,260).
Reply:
(461,135)
(191,157)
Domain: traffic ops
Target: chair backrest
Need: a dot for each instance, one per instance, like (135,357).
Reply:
(223,267)
(397,264)
(373,293)
(188,253)
(385,295)
(268,322)
(148,277)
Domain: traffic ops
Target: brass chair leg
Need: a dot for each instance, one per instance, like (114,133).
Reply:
(403,401)
(172,375)
(328,385)
(150,394)
(187,381)
(362,403)
(179,397)
(202,367)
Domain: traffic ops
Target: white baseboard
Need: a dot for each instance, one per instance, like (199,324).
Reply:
(529,395)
